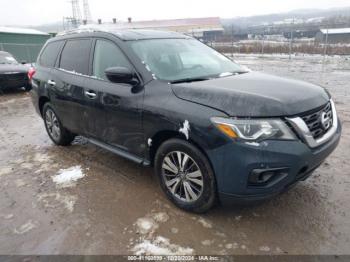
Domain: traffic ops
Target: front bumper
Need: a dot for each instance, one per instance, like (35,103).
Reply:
(233,163)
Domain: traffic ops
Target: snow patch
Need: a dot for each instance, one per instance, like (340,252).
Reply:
(5,171)
(26,227)
(68,177)
(161,217)
(207,242)
(146,225)
(39,157)
(264,248)
(27,165)
(205,223)
(20,183)
(54,200)
(160,246)
(148,244)
(8,216)
(185,129)
(174,230)
(238,218)
(229,246)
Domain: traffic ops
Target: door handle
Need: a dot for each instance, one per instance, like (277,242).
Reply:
(51,82)
(90,94)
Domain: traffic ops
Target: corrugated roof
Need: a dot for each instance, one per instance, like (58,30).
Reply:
(213,21)
(207,22)
(332,31)
(17,30)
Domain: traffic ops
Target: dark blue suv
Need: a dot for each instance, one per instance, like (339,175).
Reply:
(212,129)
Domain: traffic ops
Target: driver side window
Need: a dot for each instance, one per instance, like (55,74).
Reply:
(106,55)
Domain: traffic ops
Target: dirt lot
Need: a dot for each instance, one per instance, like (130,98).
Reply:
(116,207)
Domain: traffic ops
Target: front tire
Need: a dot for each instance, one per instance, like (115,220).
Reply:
(185,175)
(57,133)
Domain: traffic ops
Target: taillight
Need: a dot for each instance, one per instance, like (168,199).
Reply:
(31,72)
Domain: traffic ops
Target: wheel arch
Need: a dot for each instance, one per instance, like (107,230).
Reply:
(160,137)
(42,101)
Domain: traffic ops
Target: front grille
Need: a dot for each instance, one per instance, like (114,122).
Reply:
(319,121)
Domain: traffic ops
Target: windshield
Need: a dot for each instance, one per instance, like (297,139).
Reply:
(180,59)
(6,58)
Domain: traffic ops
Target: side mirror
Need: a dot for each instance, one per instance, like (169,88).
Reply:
(121,75)
(23,62)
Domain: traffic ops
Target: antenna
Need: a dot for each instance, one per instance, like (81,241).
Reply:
(87,13)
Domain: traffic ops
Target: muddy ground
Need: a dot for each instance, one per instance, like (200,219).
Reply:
(118,207)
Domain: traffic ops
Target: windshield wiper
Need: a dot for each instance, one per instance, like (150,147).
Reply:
(188,80)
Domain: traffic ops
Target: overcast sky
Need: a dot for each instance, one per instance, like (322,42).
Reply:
(36,12)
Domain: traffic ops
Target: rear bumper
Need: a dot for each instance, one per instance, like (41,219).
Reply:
(35,99)
(7,83)
(234,163)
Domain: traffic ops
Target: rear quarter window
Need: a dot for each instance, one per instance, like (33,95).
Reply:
(49,55)
(75,56)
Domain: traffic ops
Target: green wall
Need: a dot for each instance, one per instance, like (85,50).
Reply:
(22,46)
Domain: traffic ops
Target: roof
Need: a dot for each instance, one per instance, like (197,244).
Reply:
(126,34)
(336,31)
(17,30)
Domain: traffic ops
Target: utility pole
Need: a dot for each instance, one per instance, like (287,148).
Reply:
(263,42)
(325,45)
(232,40)
(87,13)
(291,41)
(76,19)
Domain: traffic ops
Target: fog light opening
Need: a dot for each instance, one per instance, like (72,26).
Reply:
(262,177)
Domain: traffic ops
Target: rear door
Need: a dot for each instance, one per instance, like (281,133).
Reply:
(67,83)
(46,61)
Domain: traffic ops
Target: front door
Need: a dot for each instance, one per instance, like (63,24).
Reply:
(115,110)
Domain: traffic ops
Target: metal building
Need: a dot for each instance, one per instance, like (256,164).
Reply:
(334,35)
(206,29)
(24,44)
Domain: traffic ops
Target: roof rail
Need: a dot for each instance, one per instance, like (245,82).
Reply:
(81,30)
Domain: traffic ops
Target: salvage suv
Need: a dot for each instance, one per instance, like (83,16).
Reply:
(213,130)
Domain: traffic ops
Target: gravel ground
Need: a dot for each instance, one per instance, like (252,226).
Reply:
(84,200)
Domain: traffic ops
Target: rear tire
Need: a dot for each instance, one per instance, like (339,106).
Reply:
(185,175)
(57,133)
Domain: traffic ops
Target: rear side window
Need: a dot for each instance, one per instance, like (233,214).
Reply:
(107,54)
(75,56)
(49,55)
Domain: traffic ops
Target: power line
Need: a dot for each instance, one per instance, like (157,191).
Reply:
(87,13)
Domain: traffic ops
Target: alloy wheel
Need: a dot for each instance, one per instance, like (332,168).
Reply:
(52,124)
(182,176)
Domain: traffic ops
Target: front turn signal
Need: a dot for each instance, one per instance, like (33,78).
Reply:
(227,130)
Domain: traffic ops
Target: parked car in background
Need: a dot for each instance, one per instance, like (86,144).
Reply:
(13,74)
(211,129)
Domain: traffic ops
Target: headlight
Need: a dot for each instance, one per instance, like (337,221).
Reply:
(254,129)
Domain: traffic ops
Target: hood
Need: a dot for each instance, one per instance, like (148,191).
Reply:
(7,68)
(254,94)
